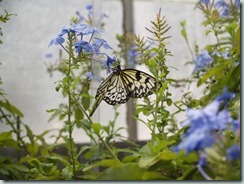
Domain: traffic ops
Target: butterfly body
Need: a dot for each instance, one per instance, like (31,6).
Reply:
(121,85)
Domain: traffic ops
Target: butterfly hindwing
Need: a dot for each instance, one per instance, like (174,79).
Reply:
(112,90)
(117,92)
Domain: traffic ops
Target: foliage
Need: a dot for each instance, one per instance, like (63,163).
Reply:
(4,18)
(204,147)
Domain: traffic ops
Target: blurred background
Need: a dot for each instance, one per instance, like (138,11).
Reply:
(23,54)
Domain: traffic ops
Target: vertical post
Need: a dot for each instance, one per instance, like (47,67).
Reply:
(128,29)
(96,22)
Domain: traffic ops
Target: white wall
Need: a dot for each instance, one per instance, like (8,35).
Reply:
(26,37)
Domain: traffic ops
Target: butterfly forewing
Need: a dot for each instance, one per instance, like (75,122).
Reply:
(103,87)
(140,84)
(101,92)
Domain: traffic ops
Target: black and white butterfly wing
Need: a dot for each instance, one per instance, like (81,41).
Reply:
(112,90)
(122,85)
(117,92)
(140,84)
(101,92)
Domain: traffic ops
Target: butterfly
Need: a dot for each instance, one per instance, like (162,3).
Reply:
(121,85)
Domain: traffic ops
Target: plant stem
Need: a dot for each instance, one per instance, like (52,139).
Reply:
(70,124)
(88,117)
(14,130)
(156,109)
(109,150)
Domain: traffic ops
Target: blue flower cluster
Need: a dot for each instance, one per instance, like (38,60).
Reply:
(86,42)
(81,45)
(205,123)
(205,126)
(202,61)
(222,7)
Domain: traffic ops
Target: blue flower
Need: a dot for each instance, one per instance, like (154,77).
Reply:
(64,31)
(238,3)
(91,76)
(205,1)
(56,41)
(89,7)
(59,39)
(203,123)
(48,55)
(233,153)
(197,140)
(131,55)
(108,63)
(83,45)
(98,43)
(81,18)
(202,61)
(225,97)
(82,29)
(223,8)
(236,125)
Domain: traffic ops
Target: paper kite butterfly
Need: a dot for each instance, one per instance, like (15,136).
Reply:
(122,85)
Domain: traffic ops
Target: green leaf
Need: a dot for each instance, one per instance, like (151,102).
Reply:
(5,136)
(75,82)
(78,114)
(59,158)
(129,171)
(14,171)
(20,167)
(104,163)
(32,161)
(82,149)
(46,167)
(148,161)
(169,101)
(51,110)
(67,173)
(96,128)
(57,88)
(29,133)
(11,108)
(212,72)
(10,143)
(183,30)
(84,123)
(188,174)
(4,171)
(237,40)
(32,148)
(233,78)
(7,141)
(86,102)
(130,158)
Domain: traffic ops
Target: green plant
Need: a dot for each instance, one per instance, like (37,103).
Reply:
(204,147)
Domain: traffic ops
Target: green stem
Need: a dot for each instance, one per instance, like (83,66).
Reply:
(70,124)
(109,150)
(156,107)
(14,130)
(88,117)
